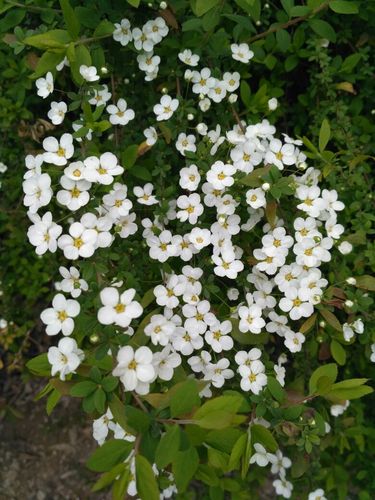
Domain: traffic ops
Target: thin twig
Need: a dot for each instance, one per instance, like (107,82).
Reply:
(286,25)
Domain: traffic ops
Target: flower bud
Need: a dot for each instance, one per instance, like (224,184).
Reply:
(233,98)
(163,5)
(345,247)
(351,281)
(94,338)
(266,186)
(190,116)
(322,324)
(272,104)
(302,165)
(201,128)
(349,303)
(104,70)
(164,90)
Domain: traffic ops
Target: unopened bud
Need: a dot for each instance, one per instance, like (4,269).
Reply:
(349,303)
(322,324)
(190,116)
(302,165)
(164,90)
(351,281)
(104,70)
(266,186)
(233,98)
(94,338)
(163,5)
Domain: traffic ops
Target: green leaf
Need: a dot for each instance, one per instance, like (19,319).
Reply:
(117,408)
(259,434)
(283,40)
(331,319)
(275,389)
(70,18)
(350,393)
(82,389)
(134,3)
(53,39)
(237,452)
(366,282)
(299,10)
(350,62)
(329,371)
(147,487)
(108,477)
(111,453)
(82,56)
(324,135)
(104,28)
(11,19)
(203,6)
(168,447)
(109,383)
(344,7)
(185,398)
(129,156)
(184,467)
(338,352)
(99,400)
(52,401)
(245,93)
(121,485)
(323,29)
(254,179)
(39,365)
(47,62)
(218,413)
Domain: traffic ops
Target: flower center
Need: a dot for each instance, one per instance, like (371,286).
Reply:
(75,192)
(297,302)
(120,308)
(132,365)
(78,242)
(61,151)
(62,315)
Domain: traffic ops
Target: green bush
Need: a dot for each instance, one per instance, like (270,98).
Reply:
(193,434)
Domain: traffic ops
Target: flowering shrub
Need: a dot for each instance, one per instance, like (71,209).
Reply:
(196,240)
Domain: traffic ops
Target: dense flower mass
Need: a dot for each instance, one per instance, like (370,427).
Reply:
(240,217)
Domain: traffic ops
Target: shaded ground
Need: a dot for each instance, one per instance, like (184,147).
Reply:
(42,458)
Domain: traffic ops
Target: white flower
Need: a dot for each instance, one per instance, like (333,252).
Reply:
(218,91)
(200,238)
(220,175)
(187,57)
(233,293)
(62,64)
(241,52)
(118,309)
(280,463)
(251,319)
(280,155)
(337,410)
(65,358)
(186,143)
(119,114)
(226,263)
(253,377)
(190,208)
(126,225)
(272,104)
(58,152)
(294,340)
(100,427)
(218,336)
(80,242)
(189,178)
(38,192)
(261,457)
(218,372)
(186,341)
(280,374)
(165,362)
(59,317)
(75,193)
(215,139)
(198,317)
(144,194)
(161,247)
(156,29)
(43,234)
(151,136)
(160,330)
(33,164)
(103,169)
(203,81)
(101,226)
(135,368)
(345,247)
(45,85)
(317,495)
(283,487)
(256,198)
(116,201)
(312,204)
(100,96)
(245,157)
(89,73)
(166,108)
(57,112)
(232,81)
(296,304)
(122,32)
(72,282)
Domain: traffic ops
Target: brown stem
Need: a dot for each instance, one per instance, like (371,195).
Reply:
(292,22)
(237,118)
(139,402)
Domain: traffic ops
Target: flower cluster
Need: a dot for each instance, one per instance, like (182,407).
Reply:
(223,237)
